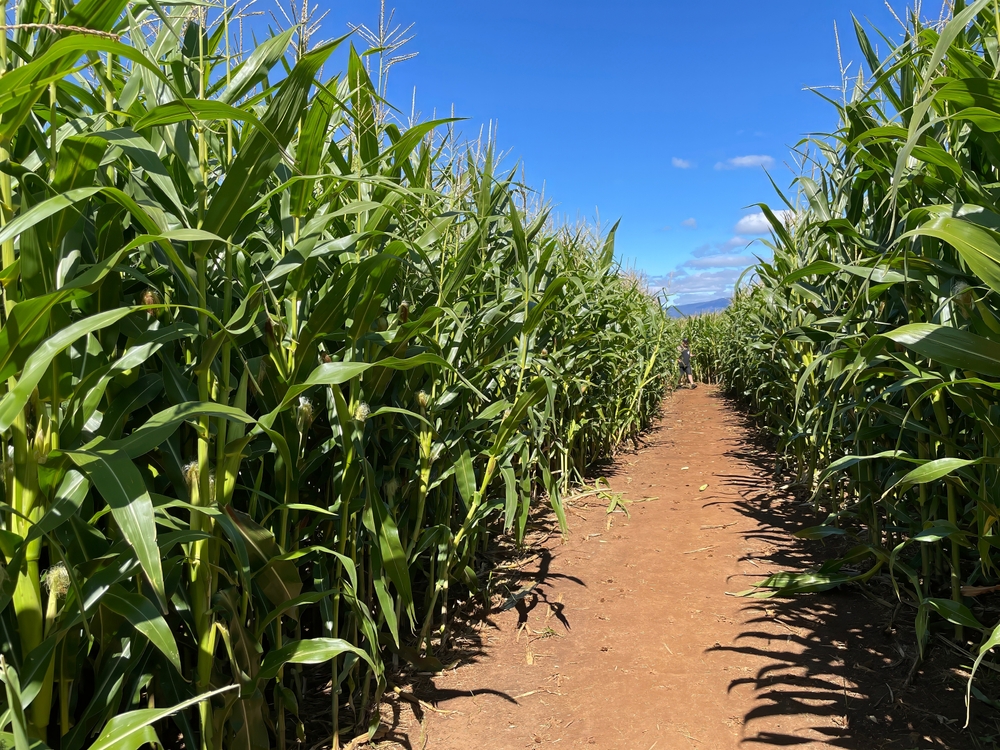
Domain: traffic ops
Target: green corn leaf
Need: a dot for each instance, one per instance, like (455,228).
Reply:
(520,240)
(819,532)
(311,597)
(846,462)
(955,612)
(785,584)
(386,603)
(80,157)
(309,149)
(258,155)
(140,151)
(247,721)
(44,210)
(552,291)
(823,267)
(41,359)
(9,582)
(122,487)
(940,530)
(382,524)
(163,424)
(952,31)
(36,664)
(363,109)
(278,578)
(69,497)
(992,642)
(338,373)
(402,148)
(256,67)
(108,683)
(535,392)
(510,504)
(332,310)
(555,498)
(10,740)
(608,251)
(978,245)
(142,615)
(24,85)
(25,327)
(378,284)
(405,412)
(236,539)
(459,273)
(280,582)
(16,707)
(198,109)
(932,471)
(133,729)
(970,92)
(465,474)
(133,398)
(950,346)
(313,651)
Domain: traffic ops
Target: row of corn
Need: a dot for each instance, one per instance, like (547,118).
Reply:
(274,371)
(870,344)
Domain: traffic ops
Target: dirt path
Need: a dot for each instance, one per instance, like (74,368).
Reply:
(624,635)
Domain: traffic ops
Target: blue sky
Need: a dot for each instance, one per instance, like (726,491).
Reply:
(660,114)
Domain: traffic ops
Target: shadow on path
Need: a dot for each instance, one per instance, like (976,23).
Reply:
(842,657)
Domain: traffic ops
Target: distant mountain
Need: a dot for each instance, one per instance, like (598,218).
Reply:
(697,308)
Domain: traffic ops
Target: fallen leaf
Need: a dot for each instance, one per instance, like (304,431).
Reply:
(703,488)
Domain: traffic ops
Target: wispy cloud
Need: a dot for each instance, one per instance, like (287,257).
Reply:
(709,275)
(757,223)
(720,248)
(721,261)
(732,243)
(682,163)
(745,162)
(718,283)
(712,269)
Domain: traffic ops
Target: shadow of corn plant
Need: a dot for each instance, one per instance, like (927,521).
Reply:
(844,657)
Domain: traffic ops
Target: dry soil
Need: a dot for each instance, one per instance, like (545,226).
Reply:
(625,633)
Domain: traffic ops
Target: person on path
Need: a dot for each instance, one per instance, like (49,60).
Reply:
(684,362)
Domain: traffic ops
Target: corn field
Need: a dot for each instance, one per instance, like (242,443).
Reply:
(870,345)
(275,370)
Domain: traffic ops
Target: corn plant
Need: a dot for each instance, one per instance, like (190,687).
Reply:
(275,369)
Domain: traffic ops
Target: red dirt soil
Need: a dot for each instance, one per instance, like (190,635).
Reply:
(625,633)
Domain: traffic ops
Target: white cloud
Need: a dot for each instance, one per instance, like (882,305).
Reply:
(682,163)
(757,223)
(744,162)
(722,261)
(691,223)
